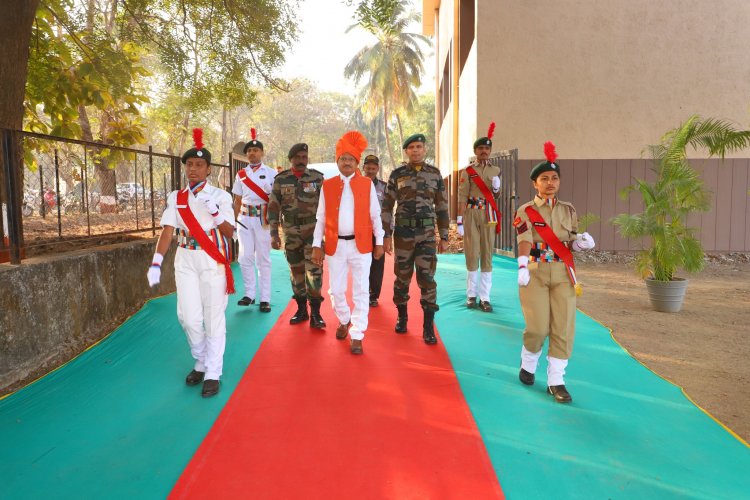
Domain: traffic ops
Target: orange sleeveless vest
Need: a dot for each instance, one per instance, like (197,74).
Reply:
(332,190)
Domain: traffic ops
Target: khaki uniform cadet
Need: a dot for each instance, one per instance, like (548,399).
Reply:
(371,167)
(251,190)
(422,204)
(547,286)
(348,219)
(202,272)
(293,203)
(477,221)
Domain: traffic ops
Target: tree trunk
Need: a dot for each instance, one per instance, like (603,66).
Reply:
(15,37)
(388,137)
(400,133)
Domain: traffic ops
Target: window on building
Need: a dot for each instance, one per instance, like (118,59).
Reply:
(445,87)
(466,21)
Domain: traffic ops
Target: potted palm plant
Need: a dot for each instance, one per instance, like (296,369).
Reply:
(676,192)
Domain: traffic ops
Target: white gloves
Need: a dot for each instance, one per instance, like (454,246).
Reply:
(154,272)
(460,225)
(212,207)
(583,241)
(496,184)
(523,271)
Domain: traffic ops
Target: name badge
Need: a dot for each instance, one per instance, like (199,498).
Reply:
(262,176)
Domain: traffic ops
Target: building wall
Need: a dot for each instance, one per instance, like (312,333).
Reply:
(604,78)
(467,108)
(593,186)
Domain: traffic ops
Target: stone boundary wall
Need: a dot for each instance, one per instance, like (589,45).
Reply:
(53,307)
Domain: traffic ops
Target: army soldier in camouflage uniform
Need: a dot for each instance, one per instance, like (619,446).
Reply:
(294,199)
(422,203)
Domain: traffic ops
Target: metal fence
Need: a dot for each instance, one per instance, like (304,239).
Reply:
(75,190)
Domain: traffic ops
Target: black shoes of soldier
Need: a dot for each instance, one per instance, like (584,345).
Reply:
(316,320)
(265,307)
(301,314)
(560,393)
(485,306)
(471,302)
(245,301)
(194,377)
(525,377)
(403,318)
(428,328)
(210,388)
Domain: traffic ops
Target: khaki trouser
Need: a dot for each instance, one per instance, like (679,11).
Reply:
(479,240)
(549,308)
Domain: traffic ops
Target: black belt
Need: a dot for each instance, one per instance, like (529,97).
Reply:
(349,237)
(429,222)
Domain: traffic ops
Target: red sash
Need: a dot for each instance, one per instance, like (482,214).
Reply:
(197,232)
(474,176)
(557,246)
(247,181)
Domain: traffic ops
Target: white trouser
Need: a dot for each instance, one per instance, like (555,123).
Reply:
(485,285)
(255,250)
(346,258)
(556,371)
(201,302)
(529,360)
(471,283)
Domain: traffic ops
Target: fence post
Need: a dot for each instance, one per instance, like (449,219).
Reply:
(57,195)
(151,187)
(13,201)
(85,191)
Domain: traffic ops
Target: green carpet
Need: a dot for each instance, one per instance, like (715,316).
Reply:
(627,434)
(119,421)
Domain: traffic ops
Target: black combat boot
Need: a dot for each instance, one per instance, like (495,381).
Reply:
(428,329)
(316,320)
(403,317)
(301,314)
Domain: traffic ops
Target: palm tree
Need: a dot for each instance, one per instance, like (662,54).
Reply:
(393,66)
(677,192)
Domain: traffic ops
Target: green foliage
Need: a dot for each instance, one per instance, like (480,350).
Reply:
(392,67)
(677,192)
(586,220)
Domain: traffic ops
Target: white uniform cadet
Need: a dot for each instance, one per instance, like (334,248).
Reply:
(201,281)
(255,236)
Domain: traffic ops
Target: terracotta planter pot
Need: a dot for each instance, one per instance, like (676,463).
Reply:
(666,296)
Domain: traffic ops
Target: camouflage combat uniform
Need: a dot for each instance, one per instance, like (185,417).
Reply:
(294,202)
(422,202)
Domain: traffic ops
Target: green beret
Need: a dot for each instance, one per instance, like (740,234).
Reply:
(414,138)
(252,144)
(545,166)
(483,141)
(202,153)
(296,149)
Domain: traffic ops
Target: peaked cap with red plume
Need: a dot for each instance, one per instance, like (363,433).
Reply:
(546,166)
(353,143)
(487,140)
(254,142)
(197,151)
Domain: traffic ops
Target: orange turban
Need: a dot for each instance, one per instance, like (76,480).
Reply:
(353,143)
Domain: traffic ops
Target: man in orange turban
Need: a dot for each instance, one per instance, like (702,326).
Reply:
(348,218)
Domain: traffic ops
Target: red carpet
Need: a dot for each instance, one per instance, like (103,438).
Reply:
(310,420)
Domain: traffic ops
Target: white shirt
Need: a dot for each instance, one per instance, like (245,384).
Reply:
(346,214)
(171,216)
(263,176)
